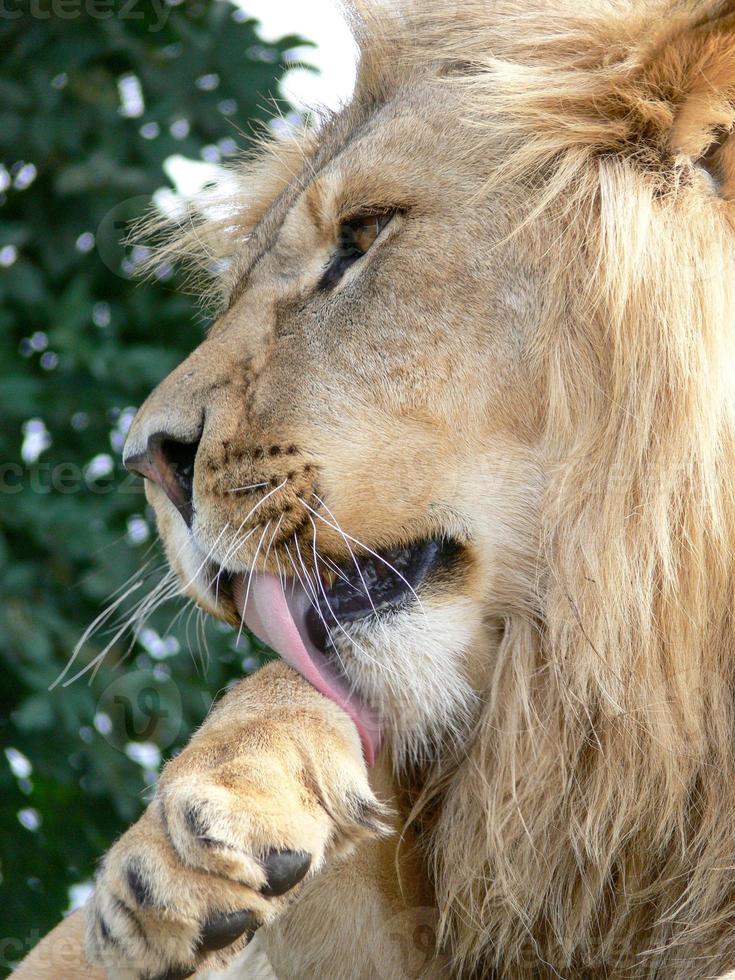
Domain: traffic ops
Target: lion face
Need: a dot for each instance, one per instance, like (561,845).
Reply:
(461,445)
(358,423)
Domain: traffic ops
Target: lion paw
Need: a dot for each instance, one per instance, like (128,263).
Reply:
(250,809)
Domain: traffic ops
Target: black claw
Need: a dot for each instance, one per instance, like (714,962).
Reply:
(284,869)
(222,930)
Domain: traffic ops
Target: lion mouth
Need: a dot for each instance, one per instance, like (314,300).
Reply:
(373,585)
(301,626)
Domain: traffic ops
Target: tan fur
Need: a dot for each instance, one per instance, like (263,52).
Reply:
(60,954)
(536,358)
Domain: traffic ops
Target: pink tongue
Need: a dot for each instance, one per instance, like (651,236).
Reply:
(272,615)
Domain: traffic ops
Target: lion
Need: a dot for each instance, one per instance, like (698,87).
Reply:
(460,446)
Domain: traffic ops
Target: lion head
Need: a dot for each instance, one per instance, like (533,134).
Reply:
(459,445)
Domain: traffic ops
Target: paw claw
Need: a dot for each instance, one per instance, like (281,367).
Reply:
(222,930)
(284,869)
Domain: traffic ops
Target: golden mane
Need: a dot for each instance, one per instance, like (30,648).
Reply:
(600,783)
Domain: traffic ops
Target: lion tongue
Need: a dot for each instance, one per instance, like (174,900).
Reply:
(278,619)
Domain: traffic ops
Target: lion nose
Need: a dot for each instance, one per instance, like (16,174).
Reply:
(169,463)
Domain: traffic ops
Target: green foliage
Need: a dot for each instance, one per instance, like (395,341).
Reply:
(80,346)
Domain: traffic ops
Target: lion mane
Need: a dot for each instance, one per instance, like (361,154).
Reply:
(592,818)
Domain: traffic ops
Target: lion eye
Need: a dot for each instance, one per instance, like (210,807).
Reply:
(361,232)
(356,236)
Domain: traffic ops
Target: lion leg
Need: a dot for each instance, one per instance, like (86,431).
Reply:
(60,954)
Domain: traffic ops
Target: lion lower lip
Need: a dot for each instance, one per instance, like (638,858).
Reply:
(375,584)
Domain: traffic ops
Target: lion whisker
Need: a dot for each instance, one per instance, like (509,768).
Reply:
(335,568)
(237,543)
(93,628)
(166,589)
(360,544)
(272,539)
(339,625)
(250,582)
(357,567)
(315,599)
(305,570)
(247,517)
(206,559)
(196,655)
(201,630)
(311,595)
(252,486)
(377,619)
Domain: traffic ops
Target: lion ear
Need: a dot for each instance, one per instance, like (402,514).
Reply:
(691,72)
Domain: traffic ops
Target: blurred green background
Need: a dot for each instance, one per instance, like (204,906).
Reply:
(94,96)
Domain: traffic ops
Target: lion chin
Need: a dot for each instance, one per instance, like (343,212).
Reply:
(460,447)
